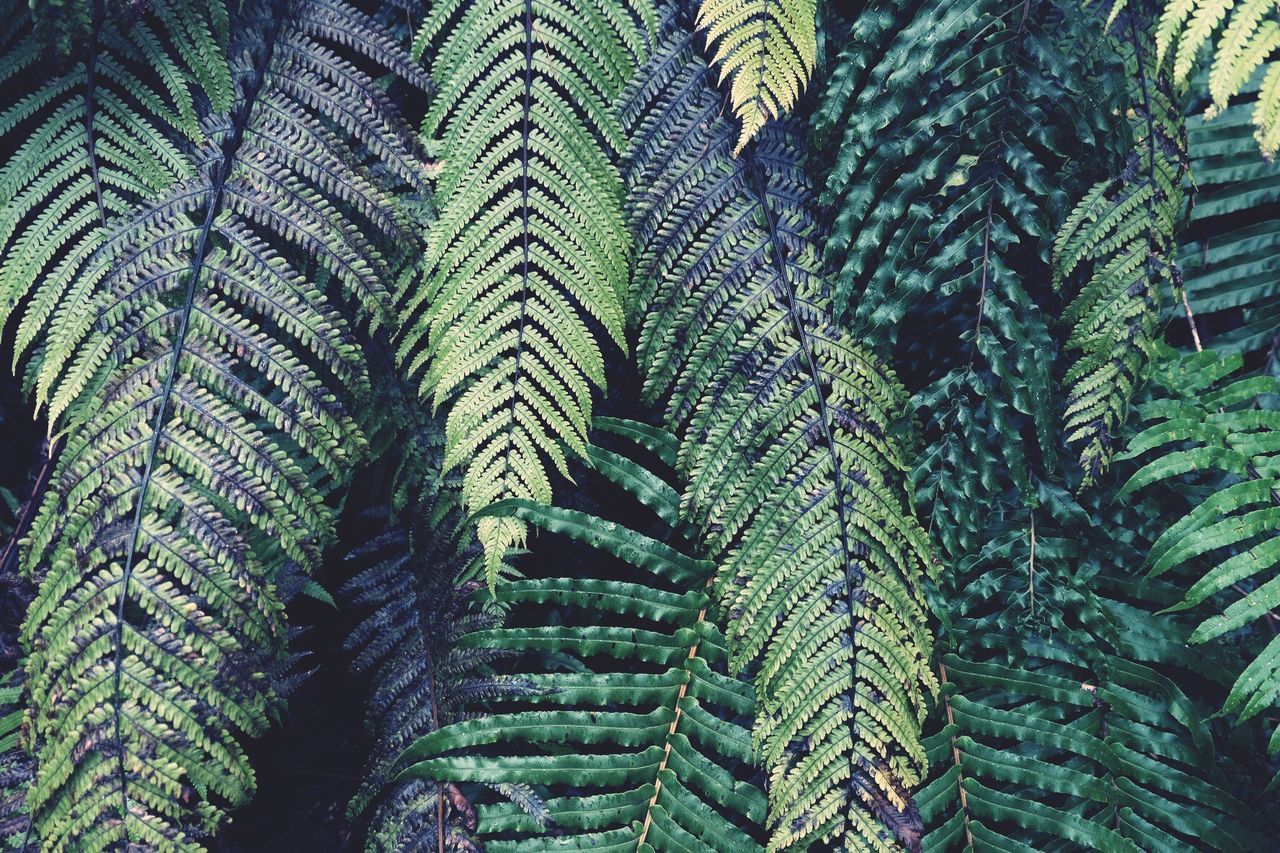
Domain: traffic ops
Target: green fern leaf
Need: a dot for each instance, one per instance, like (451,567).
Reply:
(203,385)
(767,50)
(529,251)
(1211,429)
(789,441)
(97,139)
(642,745)
(1119,241)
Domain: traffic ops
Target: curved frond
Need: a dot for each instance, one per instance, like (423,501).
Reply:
(640,744)
(791,446)
(1064,722)
(528,257)
(204,382)
(767,50)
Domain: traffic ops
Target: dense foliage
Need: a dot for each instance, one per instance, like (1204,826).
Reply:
(722,426)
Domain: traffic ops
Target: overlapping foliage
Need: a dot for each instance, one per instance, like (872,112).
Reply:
(1214,436)
(1119,240)
(630,729)
(527,260)
(791,443)
(202,382)
(1243,39)
(231,274)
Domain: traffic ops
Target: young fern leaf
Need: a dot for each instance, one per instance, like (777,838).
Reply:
(92,141)
(1210,429)
(640,746)
(1119,241)
(203,384)
(1246,36)
(529,253)
(767,49)
(790,445)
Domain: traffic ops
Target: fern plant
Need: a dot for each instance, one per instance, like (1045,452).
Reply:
(945,206)
(767,50)
(1063,722)
(420,680)
(1212,437)
(203,383)
(1114,766)
(791,444)
(634,735)
(92,141)
(528,256)
(1119,241)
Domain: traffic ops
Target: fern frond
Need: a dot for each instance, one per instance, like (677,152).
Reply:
(1119,241)
(1214,438)
(416,615)
(790,444)
(203,383)
(1099,766)
(640,744)
(767,50)
(92,137)
(1063,724)
(960,129)
(1245,37)
(529,253)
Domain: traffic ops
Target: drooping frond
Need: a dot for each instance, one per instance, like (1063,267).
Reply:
(93,135)
(1214,439)
(640,743)
(1119,242)
(1245,37)
(528,257)
(790,443)
(767,50)
(203,382)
